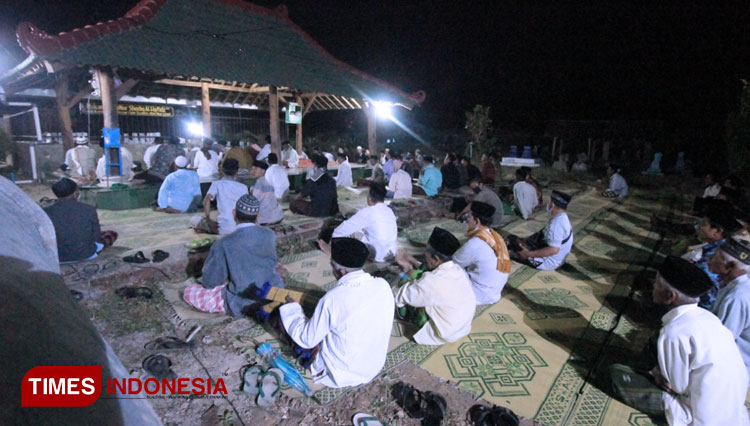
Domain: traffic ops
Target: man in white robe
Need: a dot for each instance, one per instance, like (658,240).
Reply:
(344,175)
(81,160)
(700,371)
(289,156)
(374,225)
(731,262)
(444,293)
(525,197)
(352,323)
(400,185)
(277,177)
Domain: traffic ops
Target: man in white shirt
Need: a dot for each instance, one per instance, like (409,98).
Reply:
(731,262)
(289,157)
(344,175)
(617,188)
(226,192)
(375,225)
(351,324)
(546,250)
(81,160)
(150,151)
(263,152)
(127,169)
(270,211)
(277,177)
(700,378)
(400,185)
(444,293)
(484,256)
(525,197)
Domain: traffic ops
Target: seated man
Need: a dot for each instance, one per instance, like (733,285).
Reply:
(236,152)
(525,198)
(547,249)
(485,256)
(81,160)
(700,378)
(432,178)
(400,186)
(277,177)
(181,190)
(444,292)
(451,177)
(263,152)
(344,174)
(377,174)
(717,225)
(732,263)
(270,210)
(713,188)
(126,159)
(289,156)
(471,170)
(374,225)
(486,195)
(79,236)
(351,324)
(226,192)
(321,188)
(237,266)
(618,188)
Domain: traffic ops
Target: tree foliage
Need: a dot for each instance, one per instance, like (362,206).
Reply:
(479,126)
(738,135)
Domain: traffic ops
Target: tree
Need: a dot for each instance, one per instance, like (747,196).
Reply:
(738,135)
(479,126)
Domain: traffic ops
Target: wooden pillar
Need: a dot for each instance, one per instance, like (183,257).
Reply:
(554,147)
(561,150)
(206,107)
(588,156)
(273,111)
(109,98)
(371,128)
(63,111)
(605,151)
(299,126)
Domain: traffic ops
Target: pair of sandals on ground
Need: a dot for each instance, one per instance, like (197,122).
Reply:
(263,385)
(139,257)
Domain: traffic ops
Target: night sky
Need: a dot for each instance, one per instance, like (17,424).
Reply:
(530,60)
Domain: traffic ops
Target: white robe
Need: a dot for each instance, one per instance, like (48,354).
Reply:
(732,307)
(525,197)
(377,224)
(291,157)
(263,154)
(400,184)
(703,367)
(352,323)
(127,168)
(446,296)
(276,176)
(344,175)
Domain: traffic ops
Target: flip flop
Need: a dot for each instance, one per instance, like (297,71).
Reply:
(159,256)
(158,366)
(505,417)
(364,419)
(129,292)
(136,258)
(409,399)
(435,408)
(250,380)
(169,343)
(480,415)
(269,387)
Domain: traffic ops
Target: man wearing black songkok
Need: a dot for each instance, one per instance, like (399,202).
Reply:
(352,323)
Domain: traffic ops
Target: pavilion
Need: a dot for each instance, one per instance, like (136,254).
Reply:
(216,52)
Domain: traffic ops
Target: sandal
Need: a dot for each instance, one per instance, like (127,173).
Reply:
(435,409)
(363,419)
(159,256)
(409,399)
(480,415)
(169,343)
(136,258)
(269,386)
(505,417)
(129,292)
(158,366)
(249,375)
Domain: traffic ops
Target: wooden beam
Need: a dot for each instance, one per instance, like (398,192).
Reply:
(125,87)
(371,129)
(299,128)
(63,110)
(206,107)
(78,96)
(273,111)
(308,104)
(213,86)
(109,98)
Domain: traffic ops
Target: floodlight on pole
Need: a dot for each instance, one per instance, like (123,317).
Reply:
(383,109)
(194,128)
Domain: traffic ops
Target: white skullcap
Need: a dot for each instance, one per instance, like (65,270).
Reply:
(181,162)
(81,140)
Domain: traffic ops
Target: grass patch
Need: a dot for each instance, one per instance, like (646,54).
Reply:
(126,316)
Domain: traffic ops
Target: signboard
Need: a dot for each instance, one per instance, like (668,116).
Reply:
(132,109)
(294,113)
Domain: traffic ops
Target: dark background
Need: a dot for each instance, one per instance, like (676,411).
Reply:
(531,61)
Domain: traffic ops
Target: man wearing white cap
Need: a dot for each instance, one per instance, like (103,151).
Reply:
(81,160)
(181,190)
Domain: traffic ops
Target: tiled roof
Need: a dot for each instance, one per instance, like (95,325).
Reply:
(229,40)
